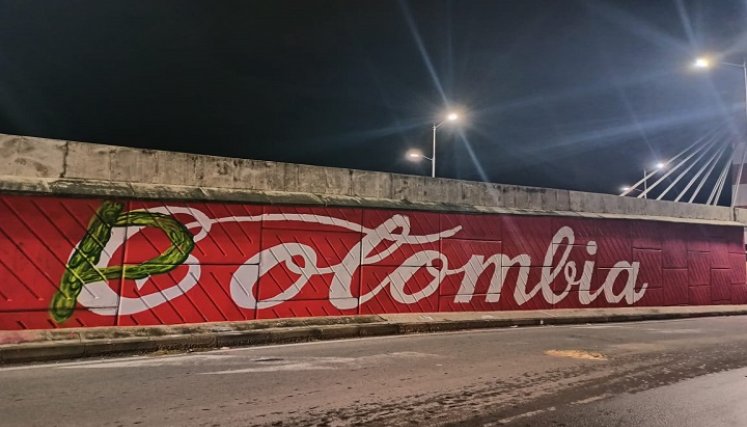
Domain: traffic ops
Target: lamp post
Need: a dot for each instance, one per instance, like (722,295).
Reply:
(657,167)
(452,117)
(417,155)
(627,189)
(704,63)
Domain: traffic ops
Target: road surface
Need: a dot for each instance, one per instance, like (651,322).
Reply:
(684,372)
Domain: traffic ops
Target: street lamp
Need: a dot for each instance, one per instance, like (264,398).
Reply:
(451,117)
(631,189)
(704,63)
(417,154)
(657,167)
(644,193)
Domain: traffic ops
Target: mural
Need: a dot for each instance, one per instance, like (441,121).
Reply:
(76,262)
(83,267)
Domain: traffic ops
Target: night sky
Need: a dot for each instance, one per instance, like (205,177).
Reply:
(557,93)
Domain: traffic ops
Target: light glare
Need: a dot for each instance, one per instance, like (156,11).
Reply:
(702,63)
(414,155)
(452,117)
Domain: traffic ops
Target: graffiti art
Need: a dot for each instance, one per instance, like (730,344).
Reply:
(106,262)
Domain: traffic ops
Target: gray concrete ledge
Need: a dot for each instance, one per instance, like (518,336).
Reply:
(50,345)
(72,188)
(67,168)
(99,189)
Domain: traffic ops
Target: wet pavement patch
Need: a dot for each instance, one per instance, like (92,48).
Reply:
(577,354)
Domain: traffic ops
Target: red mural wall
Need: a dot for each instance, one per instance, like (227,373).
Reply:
(84,262)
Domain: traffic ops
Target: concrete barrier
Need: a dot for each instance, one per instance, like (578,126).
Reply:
(97,235)
(81,169)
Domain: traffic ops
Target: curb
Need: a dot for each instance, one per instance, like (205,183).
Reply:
(79,348)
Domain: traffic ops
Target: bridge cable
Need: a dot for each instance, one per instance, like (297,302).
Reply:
(681,153)
(710,165)
(675,168)
(719,183)
(684,172)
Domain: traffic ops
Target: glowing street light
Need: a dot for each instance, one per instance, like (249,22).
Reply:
(703,63)
(646,174)
(627,188)
(657,167)
(417,154)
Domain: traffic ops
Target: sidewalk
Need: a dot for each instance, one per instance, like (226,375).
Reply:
(57,344)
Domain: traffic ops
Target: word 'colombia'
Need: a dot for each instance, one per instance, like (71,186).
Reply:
(561,274)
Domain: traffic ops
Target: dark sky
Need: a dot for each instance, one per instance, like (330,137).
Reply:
(558,93)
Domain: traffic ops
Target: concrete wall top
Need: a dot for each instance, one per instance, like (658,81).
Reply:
(38,165)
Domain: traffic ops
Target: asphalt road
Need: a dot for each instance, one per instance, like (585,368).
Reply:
(685,372)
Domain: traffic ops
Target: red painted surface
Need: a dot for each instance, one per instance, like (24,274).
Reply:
(251,262)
